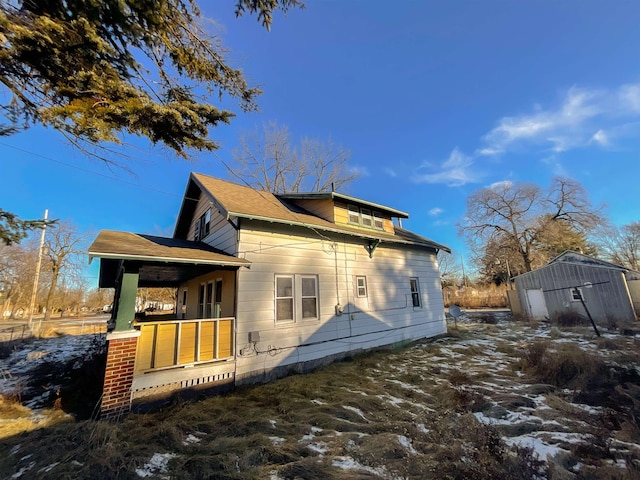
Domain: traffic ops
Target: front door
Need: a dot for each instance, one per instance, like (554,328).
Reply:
(537,305)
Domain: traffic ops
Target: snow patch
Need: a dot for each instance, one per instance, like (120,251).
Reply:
(156,466)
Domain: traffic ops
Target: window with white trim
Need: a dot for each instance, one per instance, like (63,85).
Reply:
(361,286)
(415,292)
(365,217)
(309,296)
(201,300)
(354,214)
(284,298)
(296,298)
(377,221)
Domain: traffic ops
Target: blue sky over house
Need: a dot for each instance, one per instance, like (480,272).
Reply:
(433,99)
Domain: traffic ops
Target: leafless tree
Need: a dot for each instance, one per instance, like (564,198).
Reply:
(521,217)
(268,160)
(17,267)
(450,269)
(622,245)
(65,255)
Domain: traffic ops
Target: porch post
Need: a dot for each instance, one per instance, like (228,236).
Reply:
(122,344)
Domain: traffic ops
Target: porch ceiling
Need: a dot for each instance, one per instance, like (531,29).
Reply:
(160,261)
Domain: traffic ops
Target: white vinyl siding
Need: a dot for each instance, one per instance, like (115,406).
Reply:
(221,234)
(386,315)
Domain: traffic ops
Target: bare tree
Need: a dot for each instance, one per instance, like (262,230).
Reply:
(622,245)
(17,267)
(521,216)
(450,269)
(268,160)
(65,255)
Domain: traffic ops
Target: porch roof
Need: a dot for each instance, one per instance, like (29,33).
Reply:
(161,261)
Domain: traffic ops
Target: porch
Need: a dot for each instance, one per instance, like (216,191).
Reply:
(159,354)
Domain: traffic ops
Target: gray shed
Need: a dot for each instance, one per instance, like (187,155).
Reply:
(556,288)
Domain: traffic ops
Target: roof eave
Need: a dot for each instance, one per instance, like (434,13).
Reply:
(149,258)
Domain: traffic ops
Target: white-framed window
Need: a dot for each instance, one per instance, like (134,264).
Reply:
(366,217)
(217,299)
(415,292)
(284,298)
(201,300)
(354,214)
(361,286)
(576,294)
(296,298)
(203,225)
(309,297)
(377,221)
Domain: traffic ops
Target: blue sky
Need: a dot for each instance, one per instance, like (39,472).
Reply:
(434,99)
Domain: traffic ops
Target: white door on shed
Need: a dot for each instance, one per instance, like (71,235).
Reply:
(537,305)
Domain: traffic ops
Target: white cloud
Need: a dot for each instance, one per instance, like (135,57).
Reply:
(502,185)
(391,172)
(568,126)
(600,137)
(457,170)
(434,212)
(360,170)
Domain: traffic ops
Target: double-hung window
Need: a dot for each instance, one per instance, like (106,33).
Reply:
(296,298)
(415,292)
(361,286)
(203,225)
(284,298)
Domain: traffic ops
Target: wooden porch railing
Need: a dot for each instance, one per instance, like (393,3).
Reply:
(173,343)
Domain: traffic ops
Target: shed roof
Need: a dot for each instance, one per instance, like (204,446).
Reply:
(134,246)
(159,261)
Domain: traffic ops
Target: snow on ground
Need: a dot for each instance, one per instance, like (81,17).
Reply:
(15,369)
(156,466)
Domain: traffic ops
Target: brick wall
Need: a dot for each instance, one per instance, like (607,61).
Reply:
(121,357)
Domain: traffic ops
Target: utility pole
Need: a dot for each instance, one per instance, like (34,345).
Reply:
(37,275)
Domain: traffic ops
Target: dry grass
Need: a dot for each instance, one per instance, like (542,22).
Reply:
(391,414)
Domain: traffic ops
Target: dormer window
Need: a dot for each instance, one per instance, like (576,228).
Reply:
(354,214)
(365,217)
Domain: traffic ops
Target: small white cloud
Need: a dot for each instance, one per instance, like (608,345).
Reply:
(600,137)
(391,172)
(360,171)
(557,168)
(502,185)
(630,97)
(434,212)
(456,171)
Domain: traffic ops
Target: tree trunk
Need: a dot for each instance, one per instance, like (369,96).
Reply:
(54,281)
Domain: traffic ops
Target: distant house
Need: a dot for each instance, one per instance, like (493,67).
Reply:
(607,290)
(266,284)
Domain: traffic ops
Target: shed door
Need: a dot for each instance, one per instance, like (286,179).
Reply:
(537,305)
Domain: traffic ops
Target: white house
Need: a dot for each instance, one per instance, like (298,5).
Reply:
(266,284)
